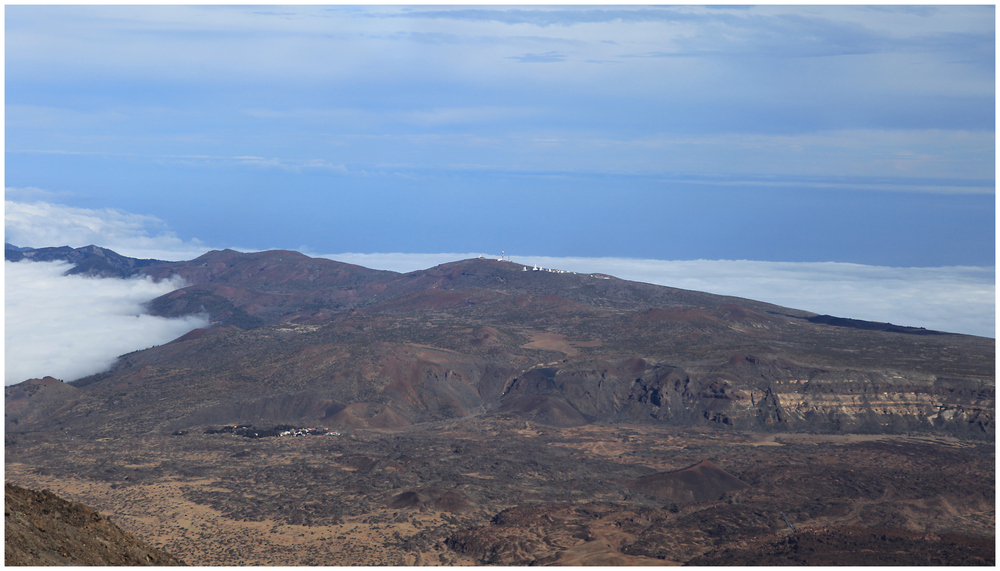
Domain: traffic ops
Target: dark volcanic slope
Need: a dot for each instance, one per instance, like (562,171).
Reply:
(699,483)
(250,290)
(309,340)
(43,529)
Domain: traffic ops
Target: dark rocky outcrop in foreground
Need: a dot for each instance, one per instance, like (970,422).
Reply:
(41,528)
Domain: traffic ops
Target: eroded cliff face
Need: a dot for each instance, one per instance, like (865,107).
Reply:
(760,394)
(881,405)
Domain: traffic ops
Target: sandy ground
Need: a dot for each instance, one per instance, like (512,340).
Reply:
(557,342)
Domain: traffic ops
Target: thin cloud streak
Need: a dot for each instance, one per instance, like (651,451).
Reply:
(926,161)
(69,327)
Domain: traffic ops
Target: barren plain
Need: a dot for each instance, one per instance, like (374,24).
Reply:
(505,491)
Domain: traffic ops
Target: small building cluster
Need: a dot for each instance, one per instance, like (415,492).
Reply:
(505,258)
(537,269)
(249,431)
(308,432)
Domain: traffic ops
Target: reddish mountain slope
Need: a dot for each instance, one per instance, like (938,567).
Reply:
(299,339)
(253,289)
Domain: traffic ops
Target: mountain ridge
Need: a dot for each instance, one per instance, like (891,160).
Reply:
(101,262)
(486,336)
(89,260)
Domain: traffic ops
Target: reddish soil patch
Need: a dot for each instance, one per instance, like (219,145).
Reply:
(557,342)
(676,315)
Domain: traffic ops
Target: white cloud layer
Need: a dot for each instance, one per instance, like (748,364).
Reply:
(43,224)
(954,299)
(69,327)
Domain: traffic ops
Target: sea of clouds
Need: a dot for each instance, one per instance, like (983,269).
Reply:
(38,222)
(69,327)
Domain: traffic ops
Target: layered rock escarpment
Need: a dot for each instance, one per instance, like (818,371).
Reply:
(881,405)
(756,398)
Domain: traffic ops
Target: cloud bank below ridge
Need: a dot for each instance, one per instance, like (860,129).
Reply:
(69,327)
(54,321)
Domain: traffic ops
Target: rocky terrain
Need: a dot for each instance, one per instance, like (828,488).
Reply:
(41,528)
(504,491)
(483,412)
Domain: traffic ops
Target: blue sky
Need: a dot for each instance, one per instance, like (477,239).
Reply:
(838,159)
(848,134)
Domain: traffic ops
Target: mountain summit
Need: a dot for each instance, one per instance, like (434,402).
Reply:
(300,339)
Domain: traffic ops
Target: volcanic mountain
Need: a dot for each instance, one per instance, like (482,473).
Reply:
(296,339)
(485,412)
